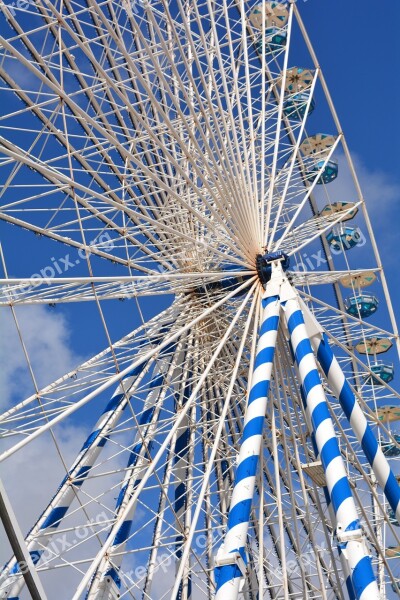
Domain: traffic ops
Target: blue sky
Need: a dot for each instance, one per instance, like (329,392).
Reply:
(358,46)
(358,49)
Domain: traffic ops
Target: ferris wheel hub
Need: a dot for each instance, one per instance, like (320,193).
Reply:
(264,264)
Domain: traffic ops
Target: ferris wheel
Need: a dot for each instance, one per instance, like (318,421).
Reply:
(242,436)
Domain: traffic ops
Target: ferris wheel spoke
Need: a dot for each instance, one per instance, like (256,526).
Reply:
(236,99)
(58,178)
(144,357)
(306,233)
(305,279)
(174,139)
(294,157)
(217,145)
(52,517)
(162,448)
(166,86)
(85,86)
(146,170)
(278,130)
(59,290)
(324,161)
(86,377)
(139,459)
(232,94)
(212,456)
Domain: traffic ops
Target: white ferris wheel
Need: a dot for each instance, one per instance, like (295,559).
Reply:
(241,438)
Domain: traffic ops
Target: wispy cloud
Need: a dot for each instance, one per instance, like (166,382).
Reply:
(47,340)
(382,197)
(36,471)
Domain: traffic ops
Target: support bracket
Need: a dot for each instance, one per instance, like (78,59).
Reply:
(233,558)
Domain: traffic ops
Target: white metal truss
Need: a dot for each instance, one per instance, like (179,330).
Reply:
(161,145)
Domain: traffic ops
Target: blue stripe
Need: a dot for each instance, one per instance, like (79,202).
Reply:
(266,301)
(135,371)
(320,414)
(340,492)
(133,456)
(270,324)
(146,416)
(181,446)
(54,517)
(311,380)
(369,445)
(157,381)
(90,439)
(264,356)
(112,405)
(350,589)
(347,399)
(35,556)
(353,526)
(240,513)
(260,390)
(113,573)
(325,354)
(392,491)
(363,575)
(253,427)
(81,475)
(247,468)
(122,533)
(121,496)
(180,496)
(225,574)
(295,319)
(303,348)
(329,452)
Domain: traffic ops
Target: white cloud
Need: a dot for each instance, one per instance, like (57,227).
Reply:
(382,197)
(33,474)
(47,341)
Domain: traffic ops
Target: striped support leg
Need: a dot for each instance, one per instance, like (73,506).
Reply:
(345,565)
(348,530)
(231,558)
(358,422)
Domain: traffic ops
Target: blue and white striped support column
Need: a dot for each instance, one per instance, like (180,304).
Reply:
(108,576)
(343,561)
(358,422)
(11,580)
(231,558)
(348,530)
